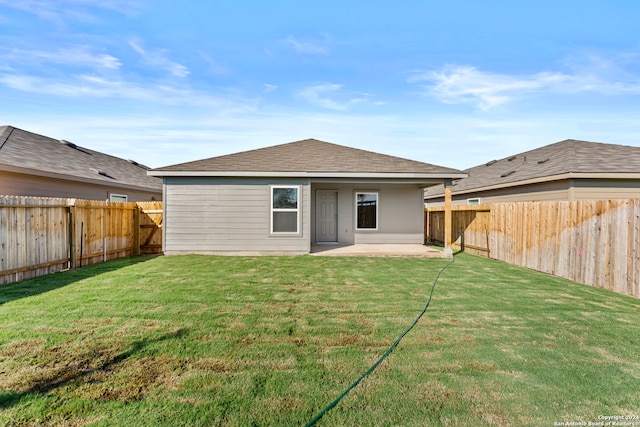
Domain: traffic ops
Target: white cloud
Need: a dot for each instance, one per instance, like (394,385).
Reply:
(268,88)
(80,86)
(466,84)
(157,58)
(213,67)
(614,75)
(325,94)
(69,56)
(315,95)
(92,86)
(61,11)
(308,47)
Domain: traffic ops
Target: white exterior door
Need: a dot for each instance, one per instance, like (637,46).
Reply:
(326,216)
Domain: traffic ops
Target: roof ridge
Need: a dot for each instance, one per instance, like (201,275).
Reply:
(307,156)
(306,140)
(7,128)
(373,152)
(573,154)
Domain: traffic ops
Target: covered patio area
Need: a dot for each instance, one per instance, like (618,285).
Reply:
(378,250)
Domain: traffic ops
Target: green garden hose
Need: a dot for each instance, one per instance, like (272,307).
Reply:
(385,355)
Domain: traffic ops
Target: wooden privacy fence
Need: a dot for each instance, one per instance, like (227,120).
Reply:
(43,235)
(596,242)
(469,227)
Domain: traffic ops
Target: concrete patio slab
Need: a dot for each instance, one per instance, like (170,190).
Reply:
(378,250)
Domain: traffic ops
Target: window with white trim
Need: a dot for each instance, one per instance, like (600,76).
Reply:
(366,211)
(117,198)
(285,209)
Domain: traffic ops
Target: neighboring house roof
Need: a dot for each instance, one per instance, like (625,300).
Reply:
(33,154)
(308,158)
(565,159)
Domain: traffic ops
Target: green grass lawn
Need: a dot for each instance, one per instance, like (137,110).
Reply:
(243,341)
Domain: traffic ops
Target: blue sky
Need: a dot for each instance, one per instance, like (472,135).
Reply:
(454,83)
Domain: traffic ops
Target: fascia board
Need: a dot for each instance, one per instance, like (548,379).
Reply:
(310,174)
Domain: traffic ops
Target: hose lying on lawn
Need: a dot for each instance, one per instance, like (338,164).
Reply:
(385,355)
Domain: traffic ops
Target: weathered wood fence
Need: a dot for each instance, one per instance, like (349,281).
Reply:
(593,242)
(43,235)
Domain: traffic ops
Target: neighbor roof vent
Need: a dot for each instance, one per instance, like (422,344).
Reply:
(101,172)
(506,174)
(68,143)
(140,165)
(543,161)
(491,162)
(72,145)
(512,158)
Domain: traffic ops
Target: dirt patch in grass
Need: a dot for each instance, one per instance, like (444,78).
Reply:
(127,381)
(298,341)
(214,364)
(21,348)
(106,374)
(88,369)
(436,396)
(283,403)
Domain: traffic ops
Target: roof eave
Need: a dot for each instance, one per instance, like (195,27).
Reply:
(308,174)
(559,177)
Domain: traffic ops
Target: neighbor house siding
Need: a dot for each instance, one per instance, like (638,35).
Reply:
(546,191)
(400,215)
(17,184)
(566,189)
(603,189)
(210,215)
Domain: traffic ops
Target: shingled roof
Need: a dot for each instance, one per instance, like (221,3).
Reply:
(308,157)
(550,162)
(27,152)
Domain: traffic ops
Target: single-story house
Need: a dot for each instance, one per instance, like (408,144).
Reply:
(567,170)
(285,198)
(36,165)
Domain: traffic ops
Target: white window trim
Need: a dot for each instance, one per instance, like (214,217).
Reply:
(112,195)
(297,210)
(377,210)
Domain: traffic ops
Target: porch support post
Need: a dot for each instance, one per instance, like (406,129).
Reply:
(448,231)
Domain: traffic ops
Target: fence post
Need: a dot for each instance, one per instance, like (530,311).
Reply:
(426,225)
(73,259)
(136,230)
(448,232)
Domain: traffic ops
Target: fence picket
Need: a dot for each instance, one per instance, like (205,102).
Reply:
(43,235)
(593,242)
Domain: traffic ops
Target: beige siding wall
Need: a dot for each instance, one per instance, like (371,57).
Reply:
(14,184)
(601,189)
(401,214)
(208,215)
(536,193)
